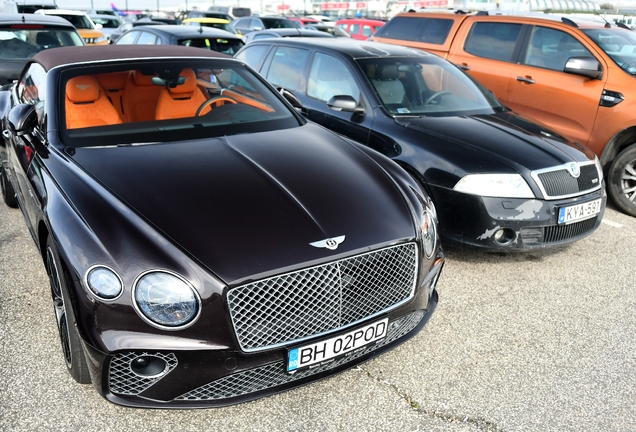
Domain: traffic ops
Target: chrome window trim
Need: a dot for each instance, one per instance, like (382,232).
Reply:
(539,183)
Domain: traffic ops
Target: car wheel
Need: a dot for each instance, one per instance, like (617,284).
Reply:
(71,347)
(622,180)
(8,194)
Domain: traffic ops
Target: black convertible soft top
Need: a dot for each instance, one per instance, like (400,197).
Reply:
(85,54)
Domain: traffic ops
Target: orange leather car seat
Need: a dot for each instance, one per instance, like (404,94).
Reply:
(113,85)
(182,100)
(140,97)
(87,105)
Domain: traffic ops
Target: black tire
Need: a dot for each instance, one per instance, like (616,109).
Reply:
(74,356)
(622,180)
(8,194)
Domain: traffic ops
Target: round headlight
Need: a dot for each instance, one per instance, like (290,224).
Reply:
(429,233)
(166,300)
(103,282)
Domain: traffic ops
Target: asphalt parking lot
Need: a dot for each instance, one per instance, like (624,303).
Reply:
(540,341)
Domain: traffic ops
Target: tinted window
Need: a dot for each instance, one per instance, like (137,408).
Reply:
(493,40)
(286,67)
(429,30)
(225,46)
(551,49)
(146,38)
(329,77)
(25,43)
(78,21)
(253,55)
(277,23)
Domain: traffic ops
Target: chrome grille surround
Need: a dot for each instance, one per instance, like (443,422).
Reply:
(557,182)
(122,380)
(296,306)
(275,374)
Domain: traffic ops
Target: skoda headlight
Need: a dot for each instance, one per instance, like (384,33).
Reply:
(166,300)
(429,233)
(495,185)
(103,282)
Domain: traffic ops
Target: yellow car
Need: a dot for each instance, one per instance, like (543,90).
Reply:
(212,22)
(87,29)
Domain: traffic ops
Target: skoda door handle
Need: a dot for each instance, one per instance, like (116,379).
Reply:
(525,80)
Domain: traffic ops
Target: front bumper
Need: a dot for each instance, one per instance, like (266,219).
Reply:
(206,378)
(528,223)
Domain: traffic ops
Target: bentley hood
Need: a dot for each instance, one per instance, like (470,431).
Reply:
(506,137)
(250,204)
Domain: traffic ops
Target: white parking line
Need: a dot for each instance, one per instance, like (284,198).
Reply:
(610,223)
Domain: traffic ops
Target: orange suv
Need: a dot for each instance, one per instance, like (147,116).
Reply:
(578,76)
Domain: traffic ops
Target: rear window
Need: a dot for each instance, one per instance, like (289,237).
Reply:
(20,43)
(225,46)
(428,30)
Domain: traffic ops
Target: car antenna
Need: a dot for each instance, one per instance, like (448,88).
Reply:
(200,28)
(607,23)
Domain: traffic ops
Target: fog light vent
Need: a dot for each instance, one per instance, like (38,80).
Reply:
(133,373)
(505,236)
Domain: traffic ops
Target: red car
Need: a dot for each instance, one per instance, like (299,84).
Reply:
(359,28)
(304,20)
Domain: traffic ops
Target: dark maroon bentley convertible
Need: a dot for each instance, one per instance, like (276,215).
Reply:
(205,244)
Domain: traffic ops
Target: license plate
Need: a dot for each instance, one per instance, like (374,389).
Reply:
(578,212)
(338,346)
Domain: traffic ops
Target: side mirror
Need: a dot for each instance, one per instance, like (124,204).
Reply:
(585,66)
(290,97)
(22,119)
(99,26)
(345,103)
(257,28)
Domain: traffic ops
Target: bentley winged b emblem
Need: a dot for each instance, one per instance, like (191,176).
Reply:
(330,243)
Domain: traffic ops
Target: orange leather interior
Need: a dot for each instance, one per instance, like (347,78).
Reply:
(113,85)
(182,100)
(140,97)
(87,105)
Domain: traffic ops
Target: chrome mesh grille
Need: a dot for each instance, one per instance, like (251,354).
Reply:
(274,374)
(294,306)
(122,380)
(560,183)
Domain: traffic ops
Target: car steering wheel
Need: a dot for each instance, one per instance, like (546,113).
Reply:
(214,101)
(435,95)
(628,64)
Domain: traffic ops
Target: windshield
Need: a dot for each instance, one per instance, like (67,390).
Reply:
(275,23)
(225,46)
(17,44)
(168,100)
(619,44)
(426,86)
(108,23)
(78,21)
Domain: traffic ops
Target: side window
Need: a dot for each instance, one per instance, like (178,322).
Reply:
(32,88)
(128,38)
(253,55)
(354,29)
(329,77)
(428,30)
(551,49)
(285,69)
(146,38)
(367,30)
(493,40)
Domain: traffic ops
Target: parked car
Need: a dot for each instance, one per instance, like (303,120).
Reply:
(222,237)
(252,23)
(284,33)
(577,76)
(303,21)
(218,23)
(85,27)
(499,180)
(24,35)
(109,23)
(114,36)
(198,37)
(333,30)
(359,28)
(205,14)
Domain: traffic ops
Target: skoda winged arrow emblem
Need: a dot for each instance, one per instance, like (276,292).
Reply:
(574,170)
(330,243)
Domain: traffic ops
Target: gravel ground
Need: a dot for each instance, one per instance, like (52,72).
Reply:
(540,341)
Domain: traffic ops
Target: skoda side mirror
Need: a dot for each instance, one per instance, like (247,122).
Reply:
(22,119)
(345,103)
(585,66)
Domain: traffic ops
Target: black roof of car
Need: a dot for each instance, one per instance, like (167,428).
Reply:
(190,31)
(292,32)
(86,54)
(47,20)
(353,48)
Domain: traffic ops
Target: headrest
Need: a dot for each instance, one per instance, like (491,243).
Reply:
(389,72)
(113,80)
(189,85)
(47,39)
(141,79)
(82,89)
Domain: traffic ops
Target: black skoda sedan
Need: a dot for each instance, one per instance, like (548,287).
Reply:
(205,244)
(499,180)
